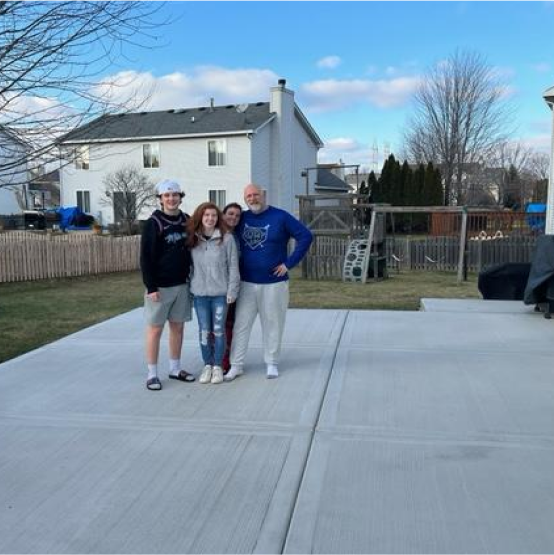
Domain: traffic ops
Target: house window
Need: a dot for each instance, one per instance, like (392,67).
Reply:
(83,200)
(218,197)
(217,153)
(151,155)
(82,158)
(124,206)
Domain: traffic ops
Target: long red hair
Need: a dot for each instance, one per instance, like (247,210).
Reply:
(195,223)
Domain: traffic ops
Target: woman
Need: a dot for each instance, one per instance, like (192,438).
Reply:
(215,284)
(231,216)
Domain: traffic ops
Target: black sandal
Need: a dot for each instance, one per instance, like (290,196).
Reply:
(183,377)
(154,384)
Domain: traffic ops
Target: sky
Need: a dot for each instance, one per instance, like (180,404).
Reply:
(353,66)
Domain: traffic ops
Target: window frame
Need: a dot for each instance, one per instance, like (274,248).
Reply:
(216,197)
(217,156)
(152,156)
(82,157)
(84,194)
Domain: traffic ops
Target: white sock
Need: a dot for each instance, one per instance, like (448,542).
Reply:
(174,366)
(152,371)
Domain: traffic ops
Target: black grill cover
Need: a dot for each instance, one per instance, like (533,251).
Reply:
(540,286)
(505,282)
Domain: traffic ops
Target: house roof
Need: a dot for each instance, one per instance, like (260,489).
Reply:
(173,123)
(230,119)
(549,96)
(13,135)
(328,180)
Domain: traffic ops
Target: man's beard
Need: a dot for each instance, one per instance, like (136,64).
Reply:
(256,208)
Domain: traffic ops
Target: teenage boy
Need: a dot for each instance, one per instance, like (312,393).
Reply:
(165,262)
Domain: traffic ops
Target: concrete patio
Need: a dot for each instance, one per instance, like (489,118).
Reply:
(387,432)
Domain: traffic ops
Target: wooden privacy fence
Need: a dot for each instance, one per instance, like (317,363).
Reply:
(326,256)
(26,256)
(441,253)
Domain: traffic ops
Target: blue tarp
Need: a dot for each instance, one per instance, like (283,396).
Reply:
(535,216)
(72,218)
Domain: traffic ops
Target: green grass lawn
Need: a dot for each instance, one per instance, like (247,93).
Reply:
(33,314)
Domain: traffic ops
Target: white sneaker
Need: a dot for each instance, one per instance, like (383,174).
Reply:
(234,372)
(217,374)
(206,375)
(272,371)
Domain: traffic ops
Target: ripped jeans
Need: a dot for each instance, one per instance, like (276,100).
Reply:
(211,313)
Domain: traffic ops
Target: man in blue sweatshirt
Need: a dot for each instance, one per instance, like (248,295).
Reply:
(264,233)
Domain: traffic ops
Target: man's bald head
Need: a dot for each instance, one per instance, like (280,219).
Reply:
(254,198)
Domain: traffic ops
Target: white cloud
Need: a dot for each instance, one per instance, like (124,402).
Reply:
(542,67)
(332,94)
(538,142)
(347,149)
(179,89)
(329,62)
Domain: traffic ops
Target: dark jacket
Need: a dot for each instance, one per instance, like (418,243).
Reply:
(165,259)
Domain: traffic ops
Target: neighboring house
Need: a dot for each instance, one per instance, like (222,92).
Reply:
(329,182)
(212,151)
(13,173)
(44,189)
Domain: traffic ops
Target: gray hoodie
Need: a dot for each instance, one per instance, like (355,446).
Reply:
(215,266)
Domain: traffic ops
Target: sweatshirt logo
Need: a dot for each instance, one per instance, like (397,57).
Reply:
(255,237)
(174,238)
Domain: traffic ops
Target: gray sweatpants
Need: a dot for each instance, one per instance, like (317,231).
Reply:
(270,301)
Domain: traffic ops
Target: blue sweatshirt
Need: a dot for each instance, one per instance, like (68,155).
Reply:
(263,242)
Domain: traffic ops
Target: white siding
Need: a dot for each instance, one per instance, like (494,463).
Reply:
(185,160)
(261,160)
(292,150)
(305,156)
(12,181)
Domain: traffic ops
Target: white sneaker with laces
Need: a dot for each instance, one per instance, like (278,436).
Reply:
(206,375)
(217,374)
(234,372)
(272,372)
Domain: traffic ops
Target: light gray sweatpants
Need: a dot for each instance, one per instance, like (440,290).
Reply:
(270,301)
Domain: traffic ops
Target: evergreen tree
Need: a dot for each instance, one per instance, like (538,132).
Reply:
(372,186)
(418,181)
(396,185)
(406,178)
(432,194)
(384,189)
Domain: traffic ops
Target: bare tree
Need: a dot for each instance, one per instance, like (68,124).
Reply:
(539,167)
(460,112)
(129,191)
(53,60)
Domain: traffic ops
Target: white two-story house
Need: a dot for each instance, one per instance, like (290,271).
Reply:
(13,173)
(213,151)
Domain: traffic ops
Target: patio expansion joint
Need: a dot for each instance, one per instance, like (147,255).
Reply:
(172,425)
(489,439)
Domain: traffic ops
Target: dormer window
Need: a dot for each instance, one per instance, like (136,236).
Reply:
(217,152)
(82,158)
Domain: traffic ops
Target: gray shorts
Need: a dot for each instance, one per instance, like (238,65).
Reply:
(175,305)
